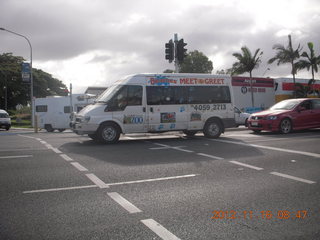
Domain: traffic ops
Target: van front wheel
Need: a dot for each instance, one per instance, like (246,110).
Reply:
(108,133)
(212,129)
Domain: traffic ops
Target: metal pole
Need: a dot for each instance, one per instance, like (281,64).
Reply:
(31,75)
(71,105)
(176,63)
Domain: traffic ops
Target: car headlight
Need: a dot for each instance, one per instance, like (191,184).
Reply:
(86,119)
(272,117)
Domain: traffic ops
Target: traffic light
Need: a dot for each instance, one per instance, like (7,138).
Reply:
(170,51)
(181,51)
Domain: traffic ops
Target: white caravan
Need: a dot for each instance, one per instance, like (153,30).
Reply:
(53,112)
(152,103)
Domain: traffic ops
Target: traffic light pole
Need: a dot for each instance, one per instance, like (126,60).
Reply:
(176,62)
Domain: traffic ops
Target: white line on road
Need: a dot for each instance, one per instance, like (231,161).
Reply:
(56,150)
(246,165)
(163,146)
(21,156)
(210,156)
(79,166)
(97,180)
(292,177)
(66,157)
(158,229)
(124,202)
(60,189)
(270,148)
(152,180)
(43,142)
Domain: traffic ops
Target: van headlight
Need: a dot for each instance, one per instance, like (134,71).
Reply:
(86,119)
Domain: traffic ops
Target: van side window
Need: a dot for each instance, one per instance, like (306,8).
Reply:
(134,95)
(209,94)
(127,95)
(42,108)
(166,95)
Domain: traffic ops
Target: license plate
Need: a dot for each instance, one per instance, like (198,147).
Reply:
(254,124)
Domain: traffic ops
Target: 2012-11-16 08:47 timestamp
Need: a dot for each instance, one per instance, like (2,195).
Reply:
(266,214)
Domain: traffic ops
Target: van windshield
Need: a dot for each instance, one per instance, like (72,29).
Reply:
(108,94)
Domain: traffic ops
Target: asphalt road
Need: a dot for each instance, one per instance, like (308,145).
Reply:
(240,186)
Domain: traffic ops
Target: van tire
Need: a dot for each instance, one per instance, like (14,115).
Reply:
(212,128)
(108,133)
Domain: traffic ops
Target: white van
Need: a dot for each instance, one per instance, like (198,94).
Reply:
(153,103)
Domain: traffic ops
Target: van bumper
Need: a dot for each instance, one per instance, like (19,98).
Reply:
(83,128)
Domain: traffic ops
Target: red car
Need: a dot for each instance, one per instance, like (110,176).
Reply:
(287,115)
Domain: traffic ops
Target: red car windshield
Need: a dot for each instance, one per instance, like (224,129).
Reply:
(285,105)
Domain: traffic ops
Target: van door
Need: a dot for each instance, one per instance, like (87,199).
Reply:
(128,108)
(166,108)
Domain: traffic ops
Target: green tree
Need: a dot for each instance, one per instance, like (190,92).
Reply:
(196,62)
(14,91)
(246,63)
(311,61)
(287,55)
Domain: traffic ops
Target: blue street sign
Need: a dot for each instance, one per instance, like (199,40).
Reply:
(25,72)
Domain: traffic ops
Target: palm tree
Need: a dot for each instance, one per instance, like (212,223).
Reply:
(246,63)
(311,61)
(287,55)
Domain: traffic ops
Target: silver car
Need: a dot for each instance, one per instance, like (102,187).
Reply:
(5,121)
(241,118)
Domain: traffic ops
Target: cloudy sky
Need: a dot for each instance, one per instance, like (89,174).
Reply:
(95,42)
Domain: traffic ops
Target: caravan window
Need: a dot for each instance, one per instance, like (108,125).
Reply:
(42,108)
(66,109)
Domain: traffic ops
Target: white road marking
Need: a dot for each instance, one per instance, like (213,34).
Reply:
(316,155)
(56,150)
(124,202)
(246,165)
(210,156)
(97,180)
(66,157)
(60,189)
(21,156)
(164,146)
(158,229)
(79,166)
(268,140)
(152,180)
(26,136)
(292,177)
(43,142)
